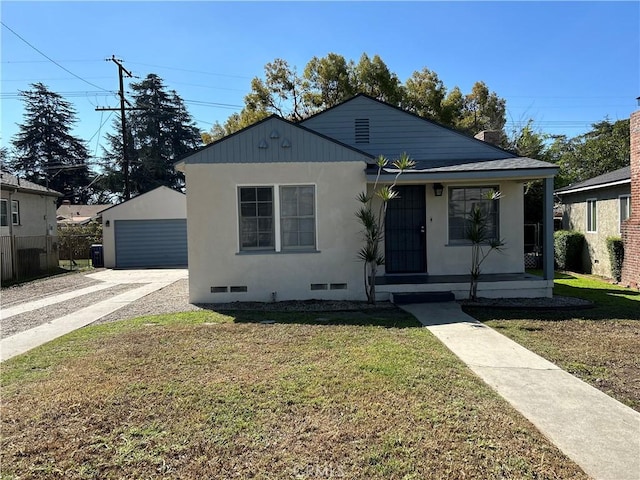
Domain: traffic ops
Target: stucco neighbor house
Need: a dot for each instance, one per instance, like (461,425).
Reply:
(28,235)
(597,207)
(271,209)
(147,231)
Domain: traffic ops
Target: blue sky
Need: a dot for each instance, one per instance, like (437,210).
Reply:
(564,65)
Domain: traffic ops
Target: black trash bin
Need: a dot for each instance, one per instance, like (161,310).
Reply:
(97,259)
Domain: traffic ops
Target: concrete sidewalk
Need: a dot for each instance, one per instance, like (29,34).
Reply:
(24,341)
(597,432)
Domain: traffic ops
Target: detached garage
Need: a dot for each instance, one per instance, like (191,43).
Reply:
(148,231)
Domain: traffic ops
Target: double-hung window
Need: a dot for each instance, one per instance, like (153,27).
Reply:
(4,213)
(297,217)
(462,201)
(625,209)
(15,212)
(277,218)
(592,216)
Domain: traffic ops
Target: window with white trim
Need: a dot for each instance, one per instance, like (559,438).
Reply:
(4,213)
(592,215)
(625,209)
(277,218)
(15,212)
(256,218)
(297,217)
(462,200)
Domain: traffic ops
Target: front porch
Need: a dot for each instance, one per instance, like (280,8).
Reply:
(498,285)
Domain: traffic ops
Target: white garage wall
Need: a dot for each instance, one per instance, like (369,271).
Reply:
(161,203)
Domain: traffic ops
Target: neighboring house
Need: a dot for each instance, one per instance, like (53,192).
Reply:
(149,231)
(68,214)
(597,207)
(271,209)
(27,227)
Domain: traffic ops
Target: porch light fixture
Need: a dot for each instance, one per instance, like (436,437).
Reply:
(438,189)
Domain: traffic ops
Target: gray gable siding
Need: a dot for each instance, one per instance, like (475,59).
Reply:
(393,131)
(275,134)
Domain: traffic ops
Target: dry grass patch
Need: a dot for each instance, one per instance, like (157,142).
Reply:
(200,395)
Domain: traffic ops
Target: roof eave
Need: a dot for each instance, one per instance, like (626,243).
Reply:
(592,187)
(442,176)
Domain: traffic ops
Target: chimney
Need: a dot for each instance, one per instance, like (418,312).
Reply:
(494,137)
(631,228)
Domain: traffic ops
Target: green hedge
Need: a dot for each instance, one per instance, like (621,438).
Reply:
(568,245)
(615,248)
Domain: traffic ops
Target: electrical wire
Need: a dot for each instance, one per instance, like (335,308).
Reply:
(50,59)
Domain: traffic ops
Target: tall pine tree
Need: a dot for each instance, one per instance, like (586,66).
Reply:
(160,131)
(45,151)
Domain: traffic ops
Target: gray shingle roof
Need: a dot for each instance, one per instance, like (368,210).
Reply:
(617,176)
(16,183)
(513,164)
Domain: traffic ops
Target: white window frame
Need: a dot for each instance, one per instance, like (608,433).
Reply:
(591,216)
(4,212)
(15,212)
(627,200)
(277,231)
(281,216)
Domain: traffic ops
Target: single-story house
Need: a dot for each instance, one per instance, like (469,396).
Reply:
(271,209)
(147,231)
(70,214)
(597,207)
(27,227)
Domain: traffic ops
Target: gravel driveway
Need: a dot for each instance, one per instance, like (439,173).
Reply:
(175,298)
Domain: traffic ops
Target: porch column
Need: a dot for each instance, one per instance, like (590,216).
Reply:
(547,230)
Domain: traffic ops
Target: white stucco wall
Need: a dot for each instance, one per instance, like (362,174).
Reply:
(161,203)
(446,259)
(215,259)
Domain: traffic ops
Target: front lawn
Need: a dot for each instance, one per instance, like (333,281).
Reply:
(600,345)
(207,395)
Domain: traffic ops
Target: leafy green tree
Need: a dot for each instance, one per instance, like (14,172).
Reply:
(482,110)
(602,149)
(161,130)
(45,151)
(425,95)
(329,81)
(373,77)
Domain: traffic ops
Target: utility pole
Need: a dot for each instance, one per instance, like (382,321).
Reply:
(125,154)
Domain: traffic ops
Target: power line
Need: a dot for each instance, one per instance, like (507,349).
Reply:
(52,60)
(191,71)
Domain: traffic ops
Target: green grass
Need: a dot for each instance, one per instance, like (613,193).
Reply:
(212,395)
(599,345)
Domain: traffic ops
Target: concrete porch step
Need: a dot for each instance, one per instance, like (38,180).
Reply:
(421,297)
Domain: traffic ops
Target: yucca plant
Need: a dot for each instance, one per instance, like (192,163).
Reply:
(480,236)
(373,222)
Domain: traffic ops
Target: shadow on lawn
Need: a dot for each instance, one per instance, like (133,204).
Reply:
(384,317)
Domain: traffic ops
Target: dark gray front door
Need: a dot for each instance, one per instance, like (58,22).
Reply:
(405,239)
(151,243)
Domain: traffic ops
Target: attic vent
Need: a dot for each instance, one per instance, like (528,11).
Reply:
(362,130)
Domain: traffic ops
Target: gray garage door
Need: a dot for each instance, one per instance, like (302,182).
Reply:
(151,243)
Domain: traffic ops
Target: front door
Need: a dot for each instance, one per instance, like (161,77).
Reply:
(405,239)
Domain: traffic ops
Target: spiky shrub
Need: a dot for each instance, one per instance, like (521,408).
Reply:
(615,247)
(482,240)
(372,221)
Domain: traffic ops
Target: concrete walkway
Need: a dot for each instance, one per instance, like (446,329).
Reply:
(597,432)
(24,341)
